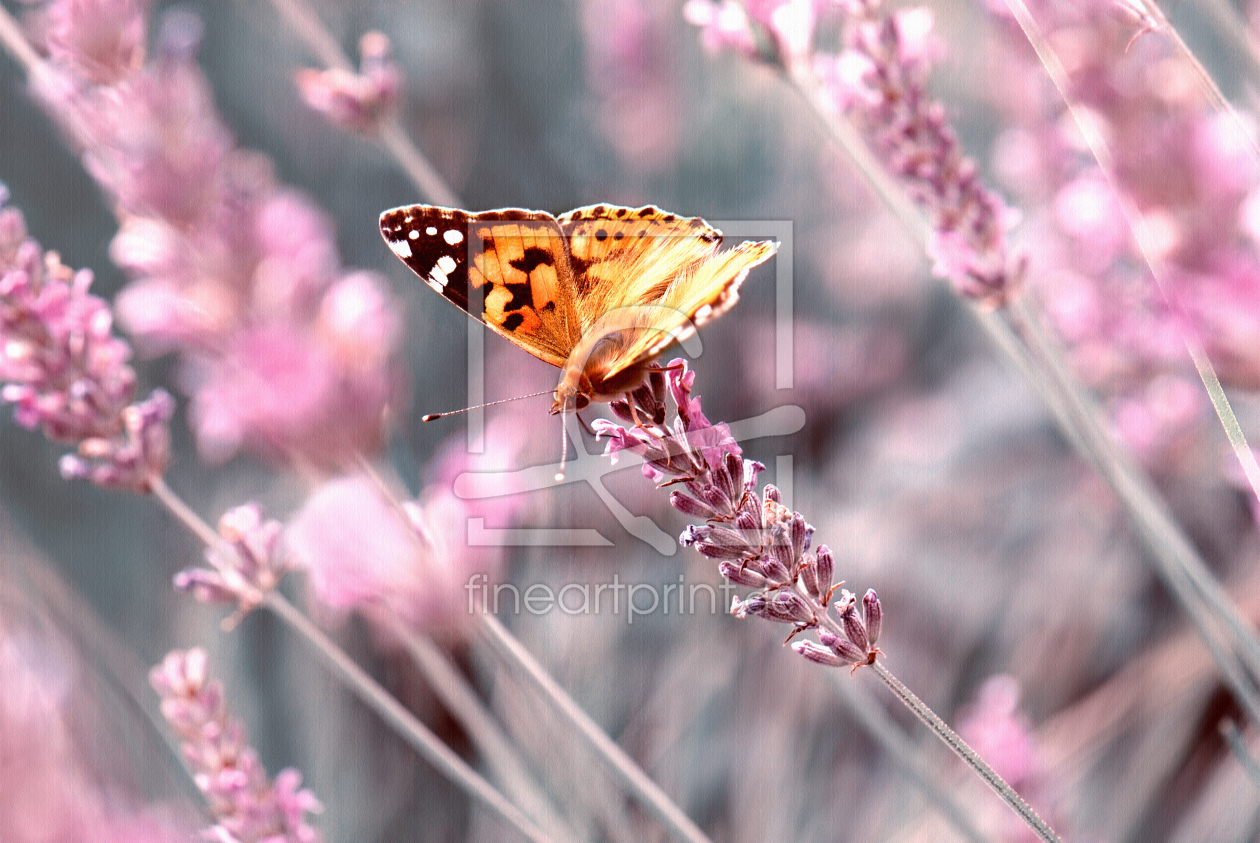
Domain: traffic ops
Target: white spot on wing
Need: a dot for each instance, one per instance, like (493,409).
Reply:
(431,230)
(453,237)
(446,264)
(437,279)
(413,235)
(401,248)
(704,311)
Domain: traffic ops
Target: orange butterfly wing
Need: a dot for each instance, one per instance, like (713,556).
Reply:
(509,268)
(646,278)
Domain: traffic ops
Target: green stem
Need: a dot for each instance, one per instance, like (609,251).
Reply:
(952,739)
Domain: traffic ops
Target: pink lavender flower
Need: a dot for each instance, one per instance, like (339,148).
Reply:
(249,564)
(359,101)
(999,732)
(102,41)
(131,460)
(410,561)
(724,25)
(779,32)
(65,371)
(757,541)
(1184,170)
(880,81)
(248,807)
(49,790)
(284,353)
(911,134)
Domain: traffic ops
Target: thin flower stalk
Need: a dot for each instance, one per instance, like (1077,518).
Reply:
(632,777)
(1236,647)
(402,721)
(508,768)
(394,562)
(354,91)
(1204,296)
(760,543)
(247,562)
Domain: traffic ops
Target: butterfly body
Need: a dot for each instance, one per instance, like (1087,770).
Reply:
(596,292)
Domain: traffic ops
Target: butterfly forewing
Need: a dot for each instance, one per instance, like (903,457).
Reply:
(510,268)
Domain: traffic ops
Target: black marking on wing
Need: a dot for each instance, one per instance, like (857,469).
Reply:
(533,258)
(522,298)
(426,250)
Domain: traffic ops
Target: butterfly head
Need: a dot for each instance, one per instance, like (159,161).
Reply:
(596,371)
(571,395)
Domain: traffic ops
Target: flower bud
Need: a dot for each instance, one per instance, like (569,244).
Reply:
(854,628)
(826,568)
(819,654)
(874,615)
(800,535)
(809,578)
(742,574)
(735,476)
(774,571)
(842,647)
(689,506)
(786,607)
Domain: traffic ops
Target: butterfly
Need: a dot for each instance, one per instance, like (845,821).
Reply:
(597,292)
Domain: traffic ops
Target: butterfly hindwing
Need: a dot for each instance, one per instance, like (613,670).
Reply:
(510,268)
(637,257)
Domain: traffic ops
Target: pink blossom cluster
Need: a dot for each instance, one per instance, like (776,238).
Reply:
(282,351)
(247,564)
(757,541)
(994,725)
(66,372)
(248,806)
(407,561)
(359,101)
(49,790)
(1185,172)
(880,81)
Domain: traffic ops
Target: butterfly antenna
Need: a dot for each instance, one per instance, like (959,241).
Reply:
(432,416)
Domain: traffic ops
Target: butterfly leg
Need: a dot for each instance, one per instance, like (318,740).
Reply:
(634,414)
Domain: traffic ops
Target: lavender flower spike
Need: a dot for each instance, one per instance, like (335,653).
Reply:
(248,807)
(65,371)
(881,81)
(757,541)
(359,101)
